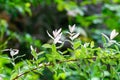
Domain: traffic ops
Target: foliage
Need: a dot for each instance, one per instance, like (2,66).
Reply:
(24,22)
(81,61)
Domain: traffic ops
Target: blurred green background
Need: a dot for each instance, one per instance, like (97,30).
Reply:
(25,22)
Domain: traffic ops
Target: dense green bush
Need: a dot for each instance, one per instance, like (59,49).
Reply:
(83,53)
(83,61)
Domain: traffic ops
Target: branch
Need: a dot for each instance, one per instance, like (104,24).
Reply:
(41,65)
(59,62)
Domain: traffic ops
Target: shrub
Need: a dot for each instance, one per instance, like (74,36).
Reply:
(82,61)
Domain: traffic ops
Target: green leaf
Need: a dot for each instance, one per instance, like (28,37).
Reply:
(18,65)
(76,44)
(92,44)
(70,50)
(40,59)
(40,53)
(77,53)
(46,46)
(62,76)
(53,48)
(33,52)
(64,52)
(13,75)
(28,62)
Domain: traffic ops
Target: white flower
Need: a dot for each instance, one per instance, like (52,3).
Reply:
(56,36)
(113,34)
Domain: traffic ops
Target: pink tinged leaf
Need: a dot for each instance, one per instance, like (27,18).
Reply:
(58,32)
(72,34)
(56,40)
(112,41)
(55,33)
(72,28)
(60,42)
(71,38)
(50,35)
(31,47)
(113,34)
(75,36)
(14,52)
